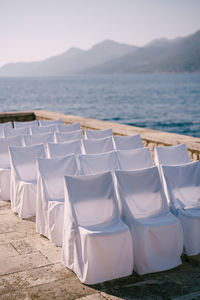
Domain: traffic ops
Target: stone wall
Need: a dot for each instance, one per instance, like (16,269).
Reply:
(149,137)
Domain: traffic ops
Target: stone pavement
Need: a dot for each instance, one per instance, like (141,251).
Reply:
(31,268)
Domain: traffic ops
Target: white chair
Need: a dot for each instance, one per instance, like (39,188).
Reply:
(68,127)
(50,195)
(43,129)
(30,140)
(134,159)
(157,233)
(97,245)
(182,186)
(96,146)
(18,124)
(171,155)
(61,137)
(63,149)
(50,122)
(24,179)
(5,143)
(5,125)
(18,131)
(127,142)
(98,163)
(98,134)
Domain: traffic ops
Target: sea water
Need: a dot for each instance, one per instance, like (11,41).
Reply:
(168,102)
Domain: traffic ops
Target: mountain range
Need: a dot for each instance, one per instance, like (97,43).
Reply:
(159,56)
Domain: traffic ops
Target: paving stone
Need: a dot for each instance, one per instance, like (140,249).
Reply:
(6,251)
(13,236)
(50,251)
(33,277)
(22,247)
(65,289)
(22,262)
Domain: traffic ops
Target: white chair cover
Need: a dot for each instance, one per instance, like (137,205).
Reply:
(68,127)
(50,122)
(18,131)
(127,142)
(171,155)
(50,195)
(63,149)
(97,245)
(24,179)
(5,143)
(98,163)
(98,134)
(134,159)
(97,146)
(157,234)
(182,186)
(4,125)
(61,137)
(18,124)
(43,129)
(36,139)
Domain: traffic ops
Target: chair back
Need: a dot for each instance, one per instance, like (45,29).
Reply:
(18,131)
(52,171)
(97,146)
(182,185)
(61,137)
(43,129)
(18,124)
(91,200)
(23,161)
(98,134)
(171,155)
(98,163)
(134,159)
(36,139)
(49,122)
(127,142)
(63,149)
(141,193)
(68,127)
(5,143)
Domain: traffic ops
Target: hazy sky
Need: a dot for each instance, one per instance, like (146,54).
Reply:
(36,29)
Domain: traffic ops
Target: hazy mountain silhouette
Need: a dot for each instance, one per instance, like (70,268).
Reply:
(178,55)
(160,55)
(72,61)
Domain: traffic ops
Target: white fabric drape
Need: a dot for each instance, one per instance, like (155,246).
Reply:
(63,149)
(157,234)
(97,245)
(36,139)
(68,127)
(98,163)
(41,130)
(24,178)
(63,136)
(127,142)
(182,186)
(171,155)
(18,124)
(98,134)
(18,131)
(5,172)
(50,122)
(134,159)
(96,146)
(50,195)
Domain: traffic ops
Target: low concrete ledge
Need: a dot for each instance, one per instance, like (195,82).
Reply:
(150,138)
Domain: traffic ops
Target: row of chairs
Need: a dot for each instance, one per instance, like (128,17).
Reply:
(151,217)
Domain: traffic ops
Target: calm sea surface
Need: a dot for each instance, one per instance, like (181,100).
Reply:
(169,102)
